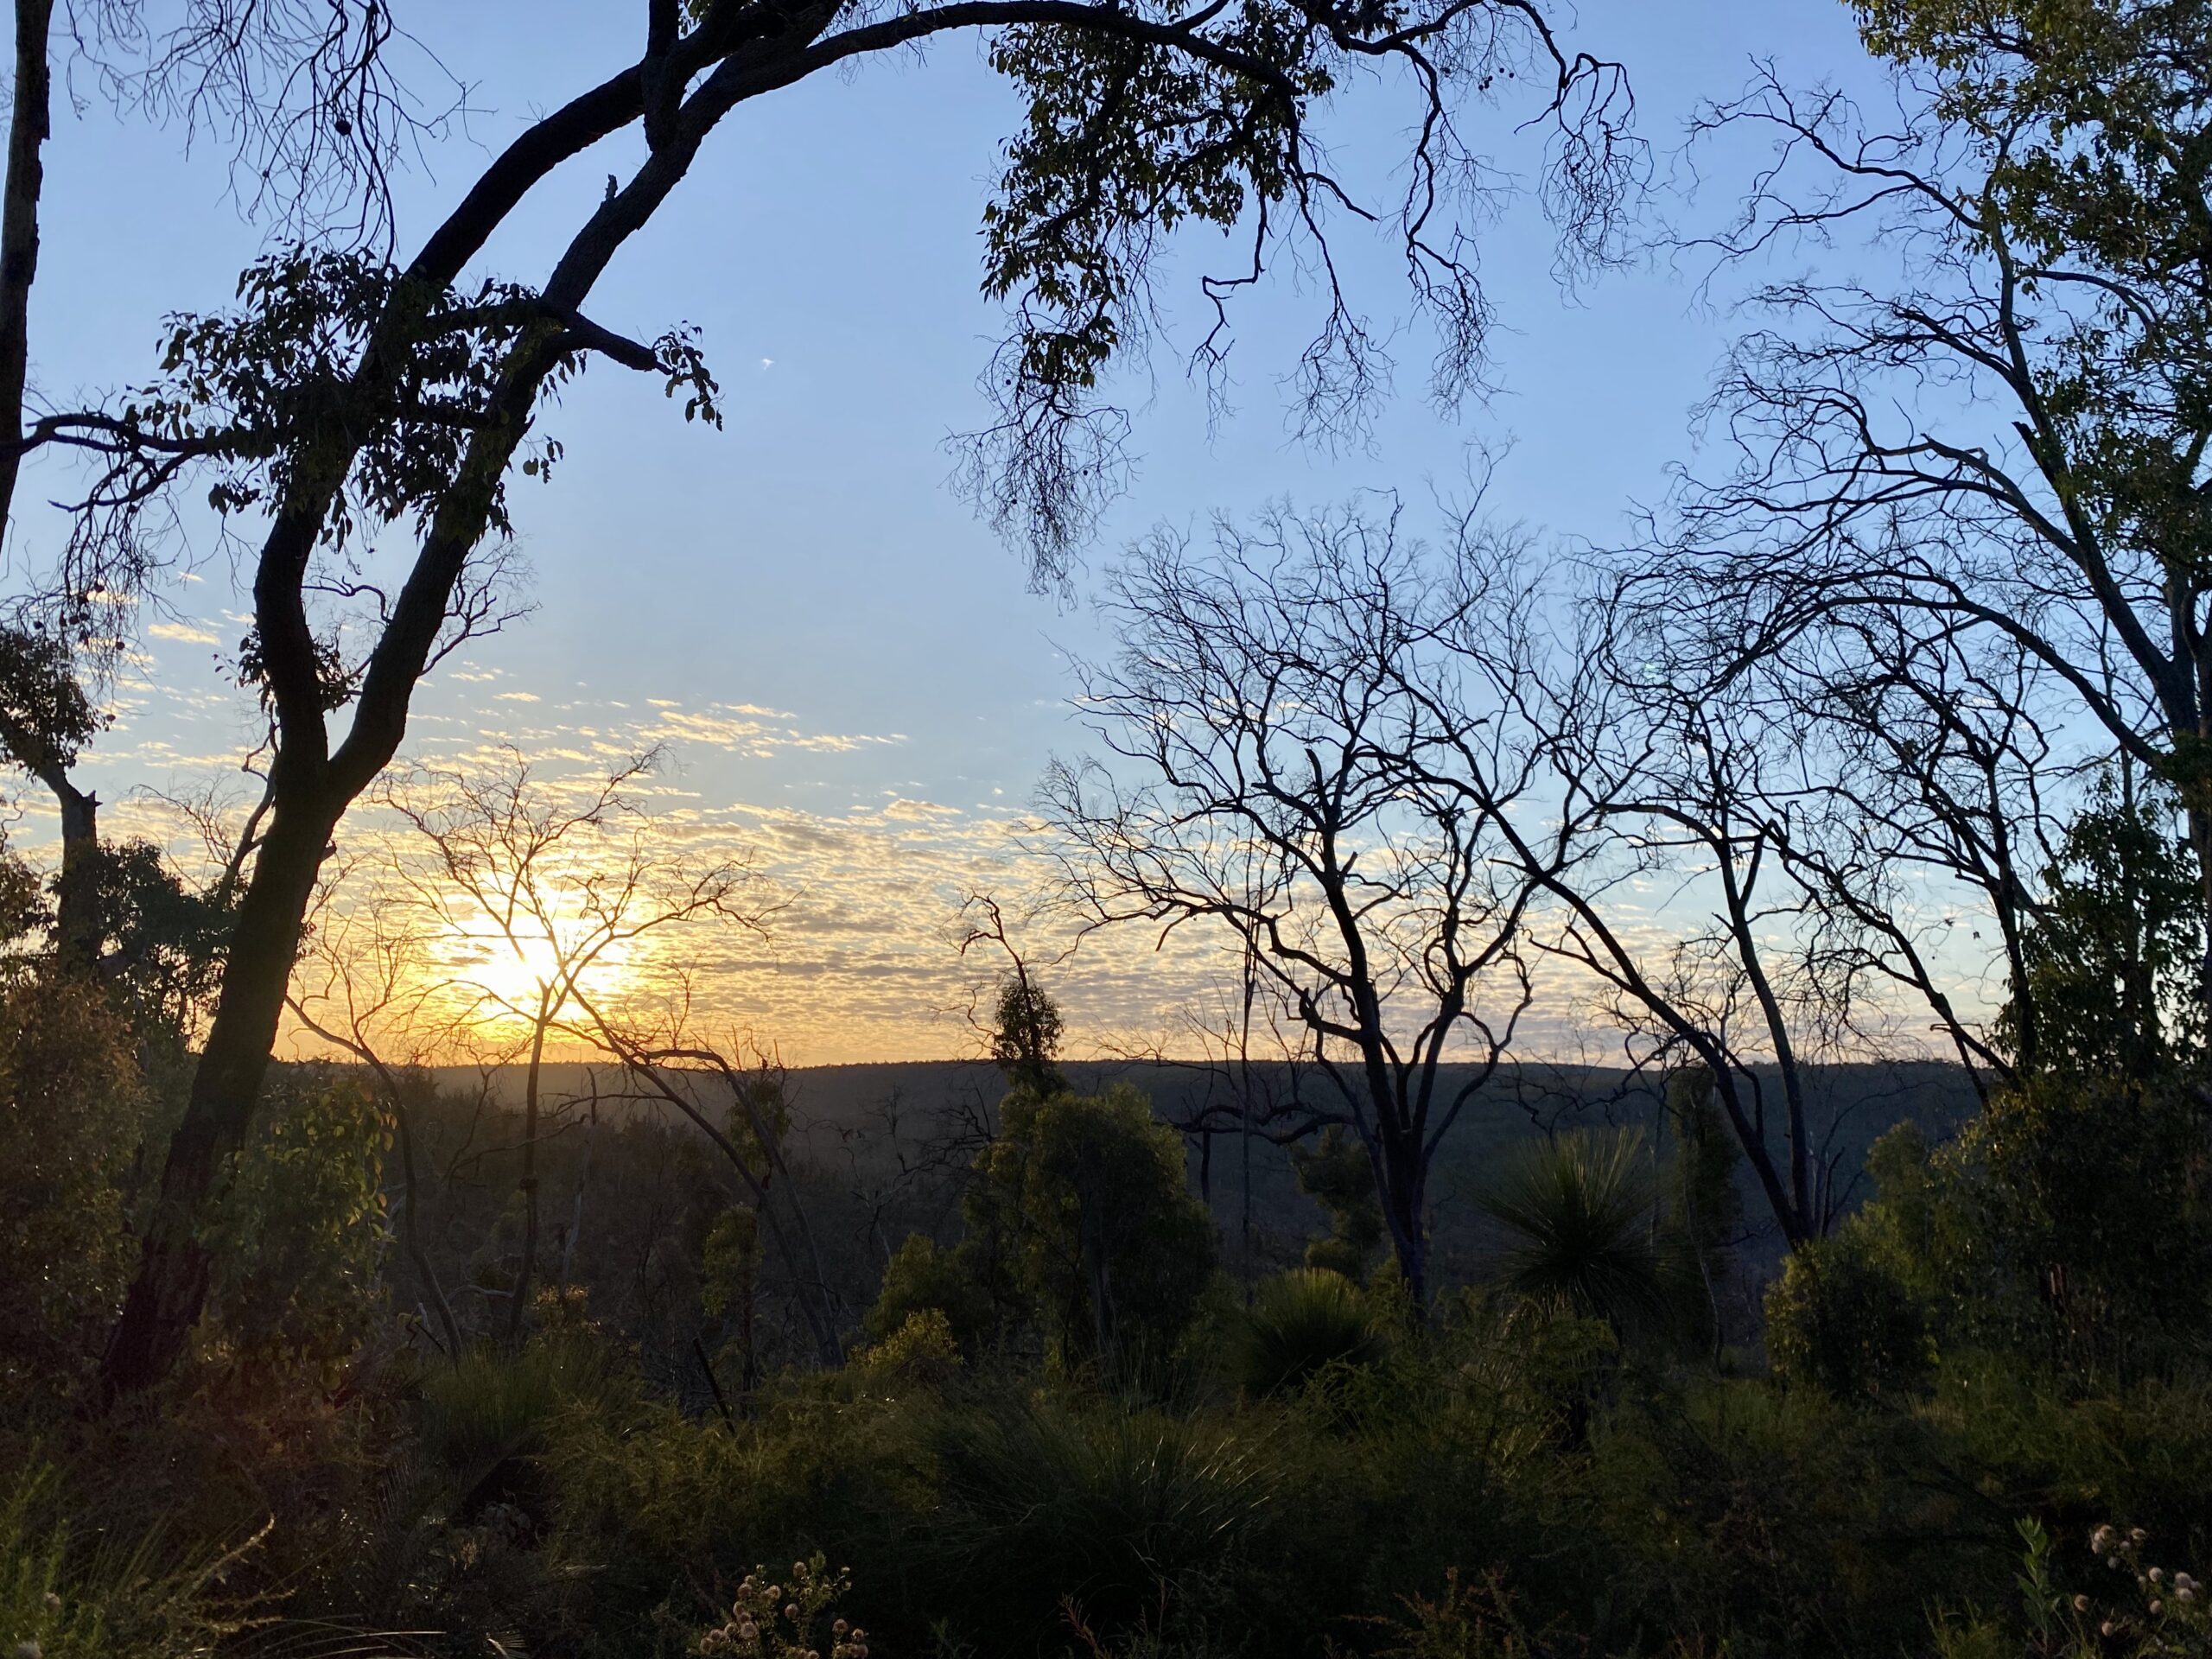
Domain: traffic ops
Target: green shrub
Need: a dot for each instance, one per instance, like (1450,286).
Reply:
(2089,1206)
(490,1405)
(58,1602)
(1335,1173)
(1126,1519)
(920,1278)
(1084,1196)
(297,1230)
(71,1115)
(1301,1323)
(1839,1320)
(921,1350)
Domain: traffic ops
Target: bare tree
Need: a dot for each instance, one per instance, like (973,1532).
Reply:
(555,889)
(350,395)
(1999,452)
(1667,884)
(1767,872)
(671,1063)
(1320,729)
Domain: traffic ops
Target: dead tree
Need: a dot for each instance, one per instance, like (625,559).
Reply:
(1318,730)
(541,892)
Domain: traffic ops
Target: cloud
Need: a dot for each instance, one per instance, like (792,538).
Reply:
(182,633)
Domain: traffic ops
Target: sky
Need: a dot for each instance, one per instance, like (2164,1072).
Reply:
(856,686)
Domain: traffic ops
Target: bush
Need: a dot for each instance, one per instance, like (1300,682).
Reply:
(921,1279)
(1335,1173)
(1839,1320)
(297,1230)
(1124,1518)
(489,1405)
(787,1618)
(1301,1324)
(59,1603)
(71,1113)
(920,1351)
(2090,1199)
(1084,1196)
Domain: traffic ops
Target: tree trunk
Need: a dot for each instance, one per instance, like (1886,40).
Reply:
(2200,844)
(79,927)
(577,1208)
(1402,1188)
(529,1182)
(411,1229)
(166,1298)
(30,124)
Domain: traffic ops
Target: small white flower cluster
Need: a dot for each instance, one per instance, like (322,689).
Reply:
(2173,1603)
(767,1622)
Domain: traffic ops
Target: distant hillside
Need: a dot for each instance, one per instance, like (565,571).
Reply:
(858,1122)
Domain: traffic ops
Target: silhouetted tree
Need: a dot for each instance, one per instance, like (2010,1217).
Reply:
(348,394)
(2001,449)
(45,721)
(550,884)
(1324,729)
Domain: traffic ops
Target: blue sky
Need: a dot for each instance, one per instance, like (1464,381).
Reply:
(847,665)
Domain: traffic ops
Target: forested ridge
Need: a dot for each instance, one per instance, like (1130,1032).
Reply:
(1697,1138)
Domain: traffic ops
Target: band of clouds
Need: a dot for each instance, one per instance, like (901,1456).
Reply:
(858,960)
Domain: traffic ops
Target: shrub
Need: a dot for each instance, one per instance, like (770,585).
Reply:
(71,1113)
(922,1279)
(1301,1323)
(789,1619)
(2089,1198)
(298,1228)
(59,1603)
(489,1405)
(1839,1320)
(1335,1173)
(1123,1518)
(920,1351)
(1085,1196)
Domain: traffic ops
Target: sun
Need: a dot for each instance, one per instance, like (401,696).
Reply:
(508,975)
